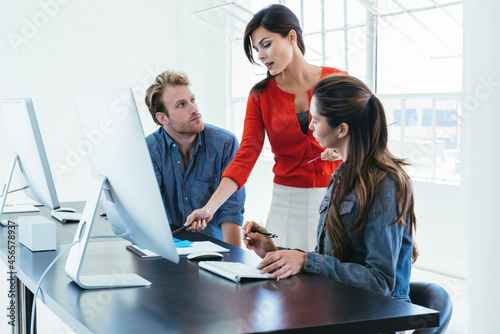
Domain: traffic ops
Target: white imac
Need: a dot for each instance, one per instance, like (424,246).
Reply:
(124,181)
(29,161)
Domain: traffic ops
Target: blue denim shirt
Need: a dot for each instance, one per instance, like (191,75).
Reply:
(184,191)
(382,256)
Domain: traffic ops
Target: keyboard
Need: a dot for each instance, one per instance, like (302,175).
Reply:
(67,217)
(233,271)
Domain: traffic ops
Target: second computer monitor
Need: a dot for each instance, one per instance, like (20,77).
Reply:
(29,160)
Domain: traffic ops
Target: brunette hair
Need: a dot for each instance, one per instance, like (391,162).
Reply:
(345,99)
(275,18)
(155,91)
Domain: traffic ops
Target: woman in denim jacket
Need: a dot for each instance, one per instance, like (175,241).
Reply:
(365,232)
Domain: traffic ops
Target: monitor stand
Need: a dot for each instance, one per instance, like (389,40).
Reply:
(77,253)
(6,186)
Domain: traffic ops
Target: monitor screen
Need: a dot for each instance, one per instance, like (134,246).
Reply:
(121,165)
(29,161)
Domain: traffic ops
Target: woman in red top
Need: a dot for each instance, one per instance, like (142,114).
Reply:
(279,106)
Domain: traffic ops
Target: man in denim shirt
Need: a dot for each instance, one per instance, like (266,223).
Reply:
(189,157)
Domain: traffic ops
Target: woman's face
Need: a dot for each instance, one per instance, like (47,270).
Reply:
(274,51)
(325,135)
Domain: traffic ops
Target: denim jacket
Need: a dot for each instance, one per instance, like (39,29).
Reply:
(381,260)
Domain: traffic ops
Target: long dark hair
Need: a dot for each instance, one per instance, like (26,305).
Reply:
(345,99)
(275,18)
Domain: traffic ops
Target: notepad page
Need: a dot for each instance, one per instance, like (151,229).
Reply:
(235,271)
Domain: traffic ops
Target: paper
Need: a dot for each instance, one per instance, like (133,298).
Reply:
(184,247)
(20,208)
(201,246)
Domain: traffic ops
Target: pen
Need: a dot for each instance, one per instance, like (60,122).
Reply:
(174,232)
(314,159)
(267,234)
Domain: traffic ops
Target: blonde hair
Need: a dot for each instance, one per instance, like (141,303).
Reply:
(155,91)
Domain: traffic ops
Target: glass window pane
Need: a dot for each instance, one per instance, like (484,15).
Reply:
(241,79)
(392,110)
(418,139)
(429,139)
(312,16)
(256,5)
(356,13)
(334,49)
(356,50)
(314,54)
(445,32)
(405,63)
(334,14)
(420,52)
(448,140)
(410,4)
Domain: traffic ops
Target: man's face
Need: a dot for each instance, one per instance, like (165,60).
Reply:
(183,115)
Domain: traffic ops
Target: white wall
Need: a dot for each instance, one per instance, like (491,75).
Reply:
(440,210)
(482,138)
(201,53)
(51,49)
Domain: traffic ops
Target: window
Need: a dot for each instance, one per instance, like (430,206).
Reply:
(419,80)
(424,128)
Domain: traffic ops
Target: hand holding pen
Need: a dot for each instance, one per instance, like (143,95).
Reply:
(328,154)
(258,239)
(266,234)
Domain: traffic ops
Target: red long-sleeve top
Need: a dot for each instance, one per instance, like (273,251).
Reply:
(273,111)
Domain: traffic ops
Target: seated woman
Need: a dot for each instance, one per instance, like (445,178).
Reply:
(365,232)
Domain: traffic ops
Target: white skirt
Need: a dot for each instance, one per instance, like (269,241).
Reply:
(294,216)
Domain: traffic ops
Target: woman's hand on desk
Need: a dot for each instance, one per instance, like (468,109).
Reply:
(284,263)
(257,242)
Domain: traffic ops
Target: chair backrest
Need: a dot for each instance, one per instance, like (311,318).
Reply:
(432,296)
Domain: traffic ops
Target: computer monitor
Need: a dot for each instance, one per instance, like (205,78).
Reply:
(29,161)
(123,171)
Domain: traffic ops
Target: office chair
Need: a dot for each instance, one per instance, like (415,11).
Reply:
(432,296)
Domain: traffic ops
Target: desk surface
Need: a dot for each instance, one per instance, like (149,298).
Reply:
(184,298)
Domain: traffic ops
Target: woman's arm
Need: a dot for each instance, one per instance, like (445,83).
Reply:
(257,242)
(236,174)
(198,219)
(382,242)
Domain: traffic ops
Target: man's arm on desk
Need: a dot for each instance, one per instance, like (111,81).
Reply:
(231,233)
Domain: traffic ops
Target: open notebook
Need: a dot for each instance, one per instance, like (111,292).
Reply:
(234,271)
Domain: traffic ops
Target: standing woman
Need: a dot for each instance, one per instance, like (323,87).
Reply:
(365,232)
(279,106)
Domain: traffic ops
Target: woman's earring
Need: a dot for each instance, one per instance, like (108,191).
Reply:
(339,136)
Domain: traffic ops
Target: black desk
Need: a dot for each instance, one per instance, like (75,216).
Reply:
(186,299)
